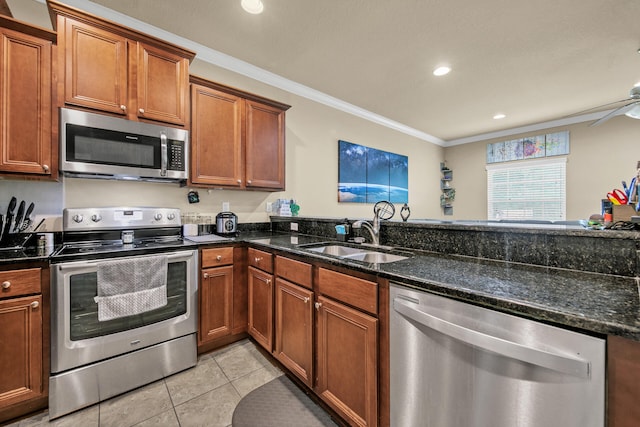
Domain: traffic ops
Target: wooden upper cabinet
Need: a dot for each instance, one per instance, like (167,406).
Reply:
(95,67)
(237,139)
(216,138)
(27,145)
(163,85)
(264,146)
(113,69)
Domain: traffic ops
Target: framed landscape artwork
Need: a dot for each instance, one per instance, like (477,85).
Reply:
(368,175)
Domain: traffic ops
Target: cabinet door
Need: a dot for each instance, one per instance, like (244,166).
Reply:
(216,138)
(21,355)
(347,360)
(216,303)
(95,67)
(264,146)
(623,372)
(163,85)
(261,307)
(294,329)
(25,95)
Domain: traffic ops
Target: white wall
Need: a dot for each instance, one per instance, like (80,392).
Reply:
(600,158)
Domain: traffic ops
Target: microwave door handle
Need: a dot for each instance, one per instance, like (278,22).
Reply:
(164,154)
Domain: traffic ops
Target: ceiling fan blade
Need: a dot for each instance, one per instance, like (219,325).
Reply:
(614,113)
(579,113)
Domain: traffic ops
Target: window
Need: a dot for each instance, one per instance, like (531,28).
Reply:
(532,190)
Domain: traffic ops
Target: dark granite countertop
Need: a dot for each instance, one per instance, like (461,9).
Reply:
(596,303)
(592,302)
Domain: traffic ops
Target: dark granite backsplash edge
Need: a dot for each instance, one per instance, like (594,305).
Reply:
(598,251)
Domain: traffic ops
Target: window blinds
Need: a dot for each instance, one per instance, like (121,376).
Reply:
(535,190)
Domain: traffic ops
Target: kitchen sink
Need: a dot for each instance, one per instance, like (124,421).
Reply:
(336,250)
(357,254)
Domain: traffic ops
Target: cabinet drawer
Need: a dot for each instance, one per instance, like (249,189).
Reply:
(14,283)
(214,257)
(359,293)
(294,271)
(260,259)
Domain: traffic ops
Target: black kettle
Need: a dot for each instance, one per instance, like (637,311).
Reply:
(226,223)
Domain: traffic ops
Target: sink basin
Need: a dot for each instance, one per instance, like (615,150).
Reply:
(336,250)
(357,254)
(375,257)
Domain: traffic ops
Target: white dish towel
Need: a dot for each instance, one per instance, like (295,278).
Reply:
(131,286)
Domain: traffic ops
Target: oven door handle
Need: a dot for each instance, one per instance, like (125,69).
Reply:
(88,264)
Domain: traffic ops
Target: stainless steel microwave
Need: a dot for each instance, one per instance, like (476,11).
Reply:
(99,146)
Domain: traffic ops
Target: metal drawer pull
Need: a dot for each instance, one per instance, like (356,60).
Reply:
(205,275)
(556,362)
(6,284)
(219,257)
(35,304)
(257,260)
(267,281)
(306,299)
(318,305)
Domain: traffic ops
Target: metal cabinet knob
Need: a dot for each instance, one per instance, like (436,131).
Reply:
(239,181)
(257,260)
(219,258)
(123,107)
(6,284)
(249,182)
(141,110)
(306,299)
(45,168)
(205,275)
(318,305)
(35,304)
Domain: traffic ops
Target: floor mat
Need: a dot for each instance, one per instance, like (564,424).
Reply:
(279,403)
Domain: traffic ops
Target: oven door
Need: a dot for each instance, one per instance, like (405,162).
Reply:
(78,338)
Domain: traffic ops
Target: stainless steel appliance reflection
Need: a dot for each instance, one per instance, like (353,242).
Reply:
(454,364)
(96,353)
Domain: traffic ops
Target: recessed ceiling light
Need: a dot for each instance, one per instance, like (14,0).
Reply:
(637,84)
(499,116)
(252,6)
(441,71)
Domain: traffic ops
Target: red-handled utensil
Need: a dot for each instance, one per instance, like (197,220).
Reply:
(617,197)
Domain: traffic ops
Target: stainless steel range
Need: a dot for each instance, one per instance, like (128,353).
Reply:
(124,307)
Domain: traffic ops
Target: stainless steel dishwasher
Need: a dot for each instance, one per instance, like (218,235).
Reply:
(454,364)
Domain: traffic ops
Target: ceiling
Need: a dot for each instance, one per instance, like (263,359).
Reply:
(535,61)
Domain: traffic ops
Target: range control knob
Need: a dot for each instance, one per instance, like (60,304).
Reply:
(96,218)
(171,216)
(78,218)
(157,216)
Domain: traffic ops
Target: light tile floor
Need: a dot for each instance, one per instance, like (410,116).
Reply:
(204,395)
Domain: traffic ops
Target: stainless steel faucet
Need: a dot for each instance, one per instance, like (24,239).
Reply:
(374,229)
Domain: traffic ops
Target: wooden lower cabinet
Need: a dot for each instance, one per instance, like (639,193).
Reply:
(24,342)
(294,329)
(347,361)
(216,303)
(222,297)
(261,307)
(623,382)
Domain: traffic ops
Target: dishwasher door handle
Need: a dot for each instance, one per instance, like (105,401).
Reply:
(557,362)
